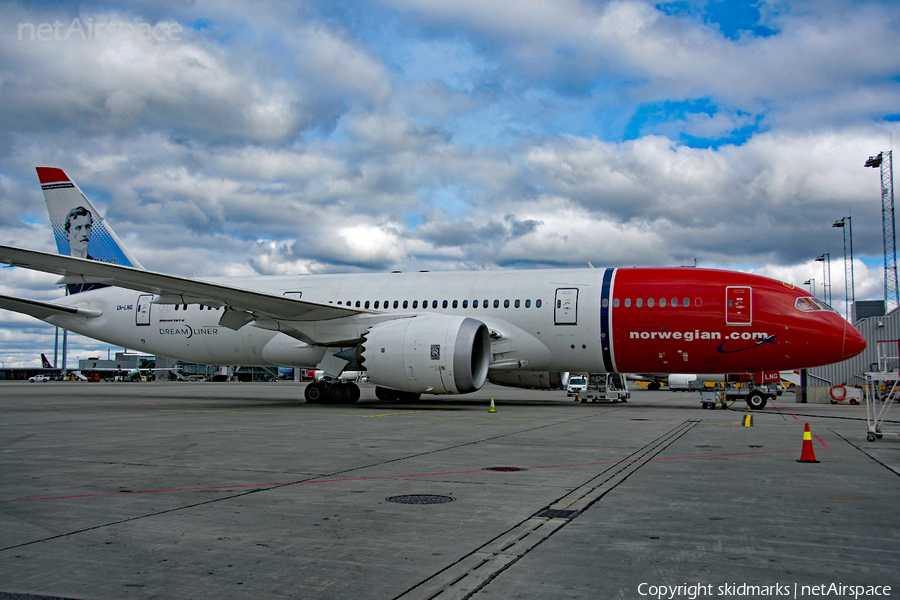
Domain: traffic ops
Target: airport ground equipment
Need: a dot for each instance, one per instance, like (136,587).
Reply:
(605,387)
(725,395)
(714,397)
(882,388)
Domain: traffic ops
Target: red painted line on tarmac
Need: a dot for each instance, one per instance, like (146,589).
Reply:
(376,477)
(827,447)
(780,405)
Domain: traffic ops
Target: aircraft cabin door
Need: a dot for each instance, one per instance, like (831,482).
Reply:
(566,308)
(739,305)
(142,310)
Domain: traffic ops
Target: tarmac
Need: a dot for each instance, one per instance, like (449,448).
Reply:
(208,490)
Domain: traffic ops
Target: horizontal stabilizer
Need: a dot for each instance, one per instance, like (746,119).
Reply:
(43,310)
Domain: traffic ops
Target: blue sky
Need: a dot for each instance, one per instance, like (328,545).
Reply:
(376,135)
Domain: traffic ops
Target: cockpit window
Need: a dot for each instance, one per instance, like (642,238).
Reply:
(810,304)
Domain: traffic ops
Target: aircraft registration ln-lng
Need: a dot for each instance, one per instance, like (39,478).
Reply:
(424,332)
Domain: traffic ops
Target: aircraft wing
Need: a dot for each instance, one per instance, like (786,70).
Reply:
(242,306)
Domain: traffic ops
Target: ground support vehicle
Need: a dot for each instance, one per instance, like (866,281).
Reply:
(755,395)
(605,387)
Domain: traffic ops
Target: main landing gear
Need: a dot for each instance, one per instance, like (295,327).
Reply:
(321,392)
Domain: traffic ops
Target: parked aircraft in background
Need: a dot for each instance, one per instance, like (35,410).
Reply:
(437,333)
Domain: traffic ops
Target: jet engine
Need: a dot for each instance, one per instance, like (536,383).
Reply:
(435,354)
(680,382)
(532,380)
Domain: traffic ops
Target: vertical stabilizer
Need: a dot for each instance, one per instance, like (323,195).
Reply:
(78,226)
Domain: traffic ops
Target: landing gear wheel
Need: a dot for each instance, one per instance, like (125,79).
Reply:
(756,400)
(314,393)
(386,394)
(353,393)
(336,393)
(871,437)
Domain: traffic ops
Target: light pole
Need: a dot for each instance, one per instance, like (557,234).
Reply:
(849,289)
(812,285)
(825,259)
(891,290)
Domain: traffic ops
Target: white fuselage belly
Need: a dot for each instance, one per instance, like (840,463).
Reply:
(193,334)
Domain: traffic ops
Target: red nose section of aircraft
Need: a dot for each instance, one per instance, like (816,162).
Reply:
(709,321)
(854,342)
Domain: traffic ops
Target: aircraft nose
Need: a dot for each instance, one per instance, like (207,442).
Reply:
(854,342)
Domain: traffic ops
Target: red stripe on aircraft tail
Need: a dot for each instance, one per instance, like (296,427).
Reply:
(51,175)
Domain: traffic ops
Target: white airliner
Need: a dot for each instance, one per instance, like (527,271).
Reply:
(437,333)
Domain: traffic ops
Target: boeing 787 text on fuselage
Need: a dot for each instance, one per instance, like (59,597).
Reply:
(437,333)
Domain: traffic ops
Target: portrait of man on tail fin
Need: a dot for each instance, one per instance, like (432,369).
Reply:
(79,223)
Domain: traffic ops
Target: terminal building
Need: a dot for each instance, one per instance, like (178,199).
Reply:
(876,326)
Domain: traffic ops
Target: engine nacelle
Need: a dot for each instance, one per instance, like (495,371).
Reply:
(680,381)
(532,380)
(436,354)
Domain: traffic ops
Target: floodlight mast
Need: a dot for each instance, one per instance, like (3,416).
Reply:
(825,259)
(846,223)
(891,293)
(812,285)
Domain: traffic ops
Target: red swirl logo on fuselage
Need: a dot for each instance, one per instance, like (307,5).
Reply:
(767,340)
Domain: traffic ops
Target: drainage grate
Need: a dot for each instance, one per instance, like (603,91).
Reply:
(556,513)
(420,499)
(504,469)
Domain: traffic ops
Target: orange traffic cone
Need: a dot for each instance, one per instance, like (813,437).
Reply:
(806,453)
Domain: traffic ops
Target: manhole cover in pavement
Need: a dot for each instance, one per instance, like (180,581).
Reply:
(420,499)
(504,469)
